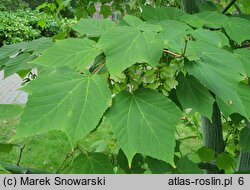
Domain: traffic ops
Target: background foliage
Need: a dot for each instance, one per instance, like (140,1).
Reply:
(148,73)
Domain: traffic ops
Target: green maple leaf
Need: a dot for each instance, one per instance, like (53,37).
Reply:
(126,45)
(145,122)
(64,100)
(74,53)
(93,27)
(238,29)
(192,94)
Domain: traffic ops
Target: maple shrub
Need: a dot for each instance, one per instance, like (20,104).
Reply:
(138,76)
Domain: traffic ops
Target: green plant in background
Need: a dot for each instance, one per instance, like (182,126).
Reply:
(129,93)
(56,18)
(34,3)
(20,23)
(12,5)
(18,26)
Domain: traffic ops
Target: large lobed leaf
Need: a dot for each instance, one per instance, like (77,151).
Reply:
(238,29)
(35,46)
(39,45)
(215,76)
(14,58)
(74,53)
(64,100)
(161,13)
(244,94)
(216,38)
(174,34)
(244,57)
(93,27)
(126,45)
(10,50)
(218,70)
(16,64)
(140,25)
(192,94)
(212,19)
(144,122)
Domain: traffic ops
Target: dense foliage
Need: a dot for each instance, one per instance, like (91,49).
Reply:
(17,27)
(136,79)
(12,5)
(20,23)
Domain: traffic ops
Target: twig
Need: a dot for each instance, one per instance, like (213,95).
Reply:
(66,165)
(228,6)
(64,162)
(78,148)
(172,53)
(237,8)
(98,68)
(185,47)
(68,156)
(189,137)
(20,155)
(69,170)
(178,134)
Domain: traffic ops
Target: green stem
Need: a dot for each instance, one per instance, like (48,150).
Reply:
(20,155)
(237,8)
(14,169)
(228,6)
